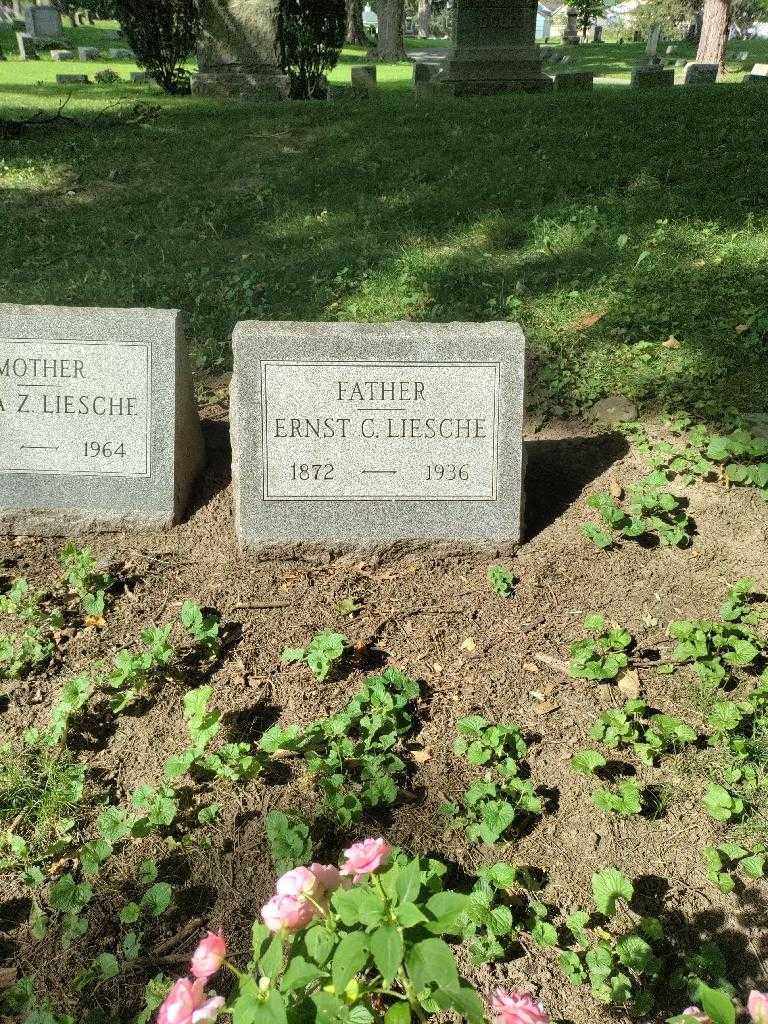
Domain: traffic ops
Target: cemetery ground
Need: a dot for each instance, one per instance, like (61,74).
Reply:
(628,235)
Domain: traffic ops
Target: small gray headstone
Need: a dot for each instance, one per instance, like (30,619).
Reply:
(62,54)
(72,80)
(98,425)
(614,409)
(652,76)
(88,52)
(701,74)
(364,76)
(138,77)
(759,74)
(26,47)
(119,53)
(43,21)
(377,436)
(670,50)
(574,81)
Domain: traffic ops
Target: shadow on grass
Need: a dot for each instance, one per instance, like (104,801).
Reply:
(525,207)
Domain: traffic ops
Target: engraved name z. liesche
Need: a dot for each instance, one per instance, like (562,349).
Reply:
(386,426)
(38,371)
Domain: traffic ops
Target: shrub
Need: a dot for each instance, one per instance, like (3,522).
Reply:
(163,34)
(311,35)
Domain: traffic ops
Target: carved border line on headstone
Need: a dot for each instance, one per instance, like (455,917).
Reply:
(371,436)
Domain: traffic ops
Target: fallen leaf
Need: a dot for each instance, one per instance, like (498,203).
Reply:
(671,342)
(551,662)
(588,321)
(437,668)
(545,707)
(8,976)
(468,644)
(421,756)
(616,489)
(528,666)
(741,328)
(95,620)
(629,684)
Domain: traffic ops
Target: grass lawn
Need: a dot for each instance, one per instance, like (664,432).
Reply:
(607,223)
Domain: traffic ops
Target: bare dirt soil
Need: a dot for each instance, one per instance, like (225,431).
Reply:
(417,614)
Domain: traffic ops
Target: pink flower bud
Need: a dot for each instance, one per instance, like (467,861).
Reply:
(187,1003)
(327,875)
(299,882)
(209,956)
(517,1008)
(286,913)
(757,1004)
(697,1015)
(365,857)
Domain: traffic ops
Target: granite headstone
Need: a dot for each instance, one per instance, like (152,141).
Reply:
(43,21)
(370,436)
(98,425)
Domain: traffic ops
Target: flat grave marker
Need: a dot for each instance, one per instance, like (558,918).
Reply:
(98,426)
(363,435)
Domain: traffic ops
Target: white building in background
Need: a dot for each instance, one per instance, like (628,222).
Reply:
(370,18)
(544,21)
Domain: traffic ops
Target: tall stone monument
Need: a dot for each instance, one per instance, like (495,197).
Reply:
(571,33)
(238,53)
(493,49)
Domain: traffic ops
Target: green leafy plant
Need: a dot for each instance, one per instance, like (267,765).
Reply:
(604,654)
(501,580)
(85,578)
(615,955)
(133,673)
(499,910)
(743,459)
(624,798)
(32,647)
(232,762)
(373,951)
(724,862)
(320,655)
(648,734)
(351,755)
(651,511)
(205,629)
(492,805)
(290,842)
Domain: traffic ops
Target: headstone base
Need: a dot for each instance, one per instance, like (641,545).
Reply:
(574,81)
(651,76)
(485,72)
(231,82)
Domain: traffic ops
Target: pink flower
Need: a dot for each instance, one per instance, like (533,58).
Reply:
(757,1004)
(365,857)
(187,1003)
(327,875)
(299,883)
(696,1014)
(517,1008)
(287,913)
(209,956)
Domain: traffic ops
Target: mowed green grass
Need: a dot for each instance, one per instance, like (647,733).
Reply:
(607,223)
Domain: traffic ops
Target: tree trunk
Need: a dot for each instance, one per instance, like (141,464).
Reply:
(714,32)
(425,14)
(356,35)
(391,16)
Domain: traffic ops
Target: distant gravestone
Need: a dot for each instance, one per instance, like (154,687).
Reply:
(88,53)
(43,21)
(120,53)
(670,50)
(574,81)
(62,54)
(377,435)
(424,73)
(364,76)
(701,74)
(571,32)
(652,76)
(72,79)
(758,75)
(26,47)
(98,426)
(597,34)
(139,77)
